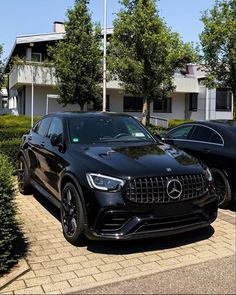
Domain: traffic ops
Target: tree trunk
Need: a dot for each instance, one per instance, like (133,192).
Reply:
(81,107)
(234,102)
(146,112)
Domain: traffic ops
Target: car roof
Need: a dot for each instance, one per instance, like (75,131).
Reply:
(219,125)
(88,114)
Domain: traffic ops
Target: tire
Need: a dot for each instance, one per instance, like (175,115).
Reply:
(72,215)
(223,188)
(23,177)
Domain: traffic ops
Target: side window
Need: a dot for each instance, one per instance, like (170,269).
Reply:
(56,127)
(42,126)
(180,133)
(206,134)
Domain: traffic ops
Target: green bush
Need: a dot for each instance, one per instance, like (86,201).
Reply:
(8,223)
(10,148)
(158,130)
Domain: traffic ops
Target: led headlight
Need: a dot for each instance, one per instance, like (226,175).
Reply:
(105,183)
(208,174)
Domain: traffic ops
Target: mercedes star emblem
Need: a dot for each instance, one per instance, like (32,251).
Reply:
(174,188)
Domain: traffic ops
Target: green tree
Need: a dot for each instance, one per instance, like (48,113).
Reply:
(218,41)
(144,53)
(77,58)
(1,68)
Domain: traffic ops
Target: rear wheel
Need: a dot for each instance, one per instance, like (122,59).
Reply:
(23,177)
(223,188)
(72,215)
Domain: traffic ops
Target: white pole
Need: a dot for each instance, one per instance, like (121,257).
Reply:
(32,98)
(104,57)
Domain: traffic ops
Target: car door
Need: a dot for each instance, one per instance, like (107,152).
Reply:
(179,137)
(36,144)
(54,157)
(206,144)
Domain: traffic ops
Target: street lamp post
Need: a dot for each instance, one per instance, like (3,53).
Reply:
(105,57)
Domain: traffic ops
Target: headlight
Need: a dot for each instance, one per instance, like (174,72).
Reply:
(105,183)
(208,174)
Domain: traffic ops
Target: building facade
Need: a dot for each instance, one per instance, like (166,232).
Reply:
(32,83)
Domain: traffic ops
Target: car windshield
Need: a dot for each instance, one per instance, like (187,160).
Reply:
(100,129)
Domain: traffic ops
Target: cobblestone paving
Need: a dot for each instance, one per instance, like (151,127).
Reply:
(58,267)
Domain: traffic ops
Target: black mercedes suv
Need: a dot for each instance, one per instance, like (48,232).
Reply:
(112,179)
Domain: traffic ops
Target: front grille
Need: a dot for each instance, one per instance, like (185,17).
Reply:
(154,189)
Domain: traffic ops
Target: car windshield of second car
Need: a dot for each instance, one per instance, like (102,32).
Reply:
(89,130)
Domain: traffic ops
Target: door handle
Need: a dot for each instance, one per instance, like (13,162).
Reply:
(42,143)
(29,138)
(207,151)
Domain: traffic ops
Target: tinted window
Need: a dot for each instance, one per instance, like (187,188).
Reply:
(180,132)
(56,127)
(223,100)
(106,129)
(201,133)
(42,126)
(133,104)
(162,105)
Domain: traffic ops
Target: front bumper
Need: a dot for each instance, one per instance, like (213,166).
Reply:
(129,221)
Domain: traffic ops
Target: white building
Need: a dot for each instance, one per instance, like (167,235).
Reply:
(27,83)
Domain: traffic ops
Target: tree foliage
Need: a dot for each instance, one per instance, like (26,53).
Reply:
(77,58)
(144,52)
(218,41)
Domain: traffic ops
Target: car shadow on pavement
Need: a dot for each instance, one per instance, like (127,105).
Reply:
(134,246)
(151,244)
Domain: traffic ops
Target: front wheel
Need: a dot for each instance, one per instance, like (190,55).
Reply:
(72,215)
(223,189)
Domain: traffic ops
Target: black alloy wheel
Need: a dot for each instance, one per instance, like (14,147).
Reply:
(72,214)
(23,177)
(223,189)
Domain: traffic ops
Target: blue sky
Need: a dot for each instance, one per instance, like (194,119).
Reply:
(24,17)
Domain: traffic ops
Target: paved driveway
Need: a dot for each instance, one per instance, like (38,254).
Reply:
(58,267)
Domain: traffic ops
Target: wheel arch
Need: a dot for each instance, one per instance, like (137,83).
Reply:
(69,177)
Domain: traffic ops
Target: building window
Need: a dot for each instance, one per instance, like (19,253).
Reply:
(162,105)
(193,101)
(36,57)
(98,105)
(223,100)
(133,104)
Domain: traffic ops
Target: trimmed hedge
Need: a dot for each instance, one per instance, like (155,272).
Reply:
(8,223)
(10,148)
(157,130)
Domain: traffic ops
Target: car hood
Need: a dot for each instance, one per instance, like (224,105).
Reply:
(139,160)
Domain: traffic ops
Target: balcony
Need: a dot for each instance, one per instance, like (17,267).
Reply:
(26,74)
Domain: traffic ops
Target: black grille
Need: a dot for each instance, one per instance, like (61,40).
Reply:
(154,189)
(113,222)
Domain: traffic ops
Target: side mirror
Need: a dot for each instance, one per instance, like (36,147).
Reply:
(56,140)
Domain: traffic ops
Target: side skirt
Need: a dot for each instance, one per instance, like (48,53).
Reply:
(42,191)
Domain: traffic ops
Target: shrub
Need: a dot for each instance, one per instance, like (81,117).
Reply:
(8,223)
(10,148)
(158,130)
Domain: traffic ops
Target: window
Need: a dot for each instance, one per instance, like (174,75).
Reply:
(180,132)
(133,104)
(98,106)
(223,100)
(202,133)
(42,126)
(36,57)
(193,101)
(162,105)
(56,127)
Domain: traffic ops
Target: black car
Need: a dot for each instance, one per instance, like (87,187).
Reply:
(213,142)
(112,179)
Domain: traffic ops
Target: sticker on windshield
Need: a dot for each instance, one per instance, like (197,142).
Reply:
(138,134)
(75,139)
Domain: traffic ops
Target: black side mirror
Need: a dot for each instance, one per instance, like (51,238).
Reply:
(56,140)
